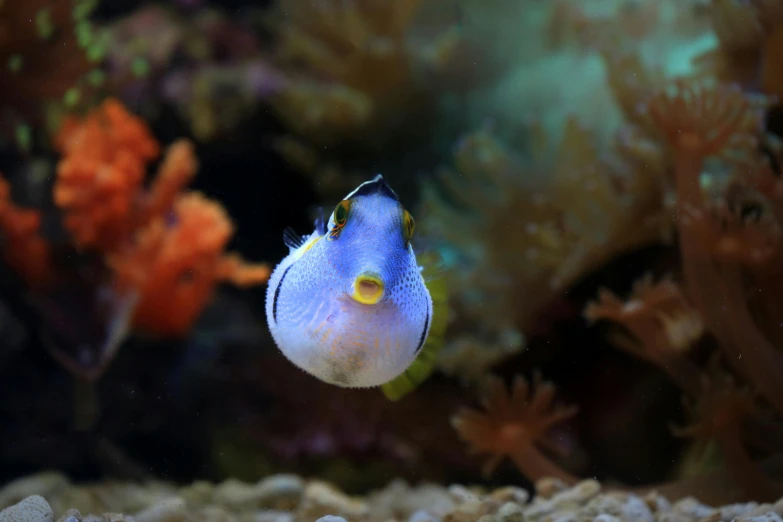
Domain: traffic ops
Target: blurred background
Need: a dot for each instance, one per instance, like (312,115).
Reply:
(598,179)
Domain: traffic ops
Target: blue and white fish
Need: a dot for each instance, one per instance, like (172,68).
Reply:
(349,304)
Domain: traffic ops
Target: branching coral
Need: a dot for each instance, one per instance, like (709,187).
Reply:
(356,74)
(360,60)
(161,243)
(175,267)
(531,226)
(156,253)
(730,247)
(698,123)
(689,158)
(717,414)
(514,425)
(662,325)
(749,44)
(521,226)
(102,170)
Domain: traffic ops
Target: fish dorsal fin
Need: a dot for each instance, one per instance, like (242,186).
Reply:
(293,240)
(320,225)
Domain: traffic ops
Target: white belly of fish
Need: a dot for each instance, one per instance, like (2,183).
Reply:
(338,340)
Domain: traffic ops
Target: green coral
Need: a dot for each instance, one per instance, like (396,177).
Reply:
(15,63)
(43,24)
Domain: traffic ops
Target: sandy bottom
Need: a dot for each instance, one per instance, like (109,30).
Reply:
(287,498)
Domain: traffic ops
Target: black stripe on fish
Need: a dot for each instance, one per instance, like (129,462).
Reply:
(424,332)
(277,293)
(292,239)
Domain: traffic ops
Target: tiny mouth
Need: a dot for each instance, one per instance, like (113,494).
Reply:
(367,289)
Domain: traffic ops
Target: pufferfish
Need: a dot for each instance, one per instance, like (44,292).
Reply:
(350,305)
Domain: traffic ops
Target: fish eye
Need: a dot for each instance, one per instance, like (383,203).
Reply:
(340,216)
(409,225)
(341,212)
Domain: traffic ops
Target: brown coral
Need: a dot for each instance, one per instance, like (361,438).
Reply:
(43,49)
(351,66)
(726,213)
(699,122)
(749,44)
(533,225)
(514,425)
(353,77)
(361,46)
(662,323)
(717,414)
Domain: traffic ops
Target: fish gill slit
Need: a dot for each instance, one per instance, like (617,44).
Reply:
(277,294)
(423,332)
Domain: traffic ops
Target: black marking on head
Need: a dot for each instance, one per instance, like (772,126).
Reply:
(375,186)
(423,333)
(277,293)
(292,239)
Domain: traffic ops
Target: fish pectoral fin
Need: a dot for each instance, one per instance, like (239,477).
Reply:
(293,240)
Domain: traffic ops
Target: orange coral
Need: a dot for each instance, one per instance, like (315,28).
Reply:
(164,247)
(25,250)
(513,425)
(178,168)
(100,174)
(175,267)
(698,121)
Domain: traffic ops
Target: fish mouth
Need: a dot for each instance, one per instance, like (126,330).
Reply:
(368,288)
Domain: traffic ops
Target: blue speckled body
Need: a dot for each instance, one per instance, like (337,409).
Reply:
(311,310)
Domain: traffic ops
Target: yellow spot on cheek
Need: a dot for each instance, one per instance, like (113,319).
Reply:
(367,289)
